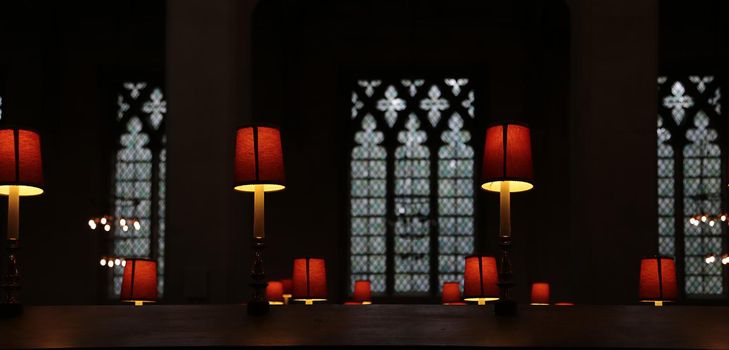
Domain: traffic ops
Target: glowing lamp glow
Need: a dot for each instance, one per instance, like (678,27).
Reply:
(274,293)
(452,294)
(259,159)
(309,280)
(362,291)
(507,158)
(540,293)
(139,284)
(480,279)
(564,303)
(657,280)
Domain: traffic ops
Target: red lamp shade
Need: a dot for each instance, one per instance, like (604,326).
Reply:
(657,280)
(310,279)
(274,293)
(139,283)
(259,159)
(287,286)
(20,162)
(362,291)
(507,156)
(540,293)
(480,279)
(452,294)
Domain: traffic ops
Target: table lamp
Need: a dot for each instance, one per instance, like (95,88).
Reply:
(21,174)
(287,287)
(363,292)
(480,279)
(657,280)
(540,293)
(507,167)
(259,168)
(274,293)
(309,280)
(139,284)
(452,294)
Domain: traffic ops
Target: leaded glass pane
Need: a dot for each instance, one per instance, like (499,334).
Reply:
(702,195)
(455,200)
(412,205)
(368,206)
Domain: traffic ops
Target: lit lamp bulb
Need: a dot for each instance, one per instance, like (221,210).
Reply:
(710,259)
(117,262)
(137,226)
(124,263)
(704,218)
(692,221)
(122,222)
(92,224)
(125,228)
(723,217)
(725,259)
(107,228)
(110,263)
(711,223)
(102,262)
(103,221)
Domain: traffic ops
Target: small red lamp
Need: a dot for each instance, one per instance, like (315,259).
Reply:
(287,287)
(452,294)
(309,280)
(21,174)
(507,167)
(259,168)
(480,279)
(363,292)
(139,284)
(540,293)
(274,293)
(657,280)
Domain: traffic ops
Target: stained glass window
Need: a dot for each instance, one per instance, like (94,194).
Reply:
(690,179)
(411,187)
(140,173)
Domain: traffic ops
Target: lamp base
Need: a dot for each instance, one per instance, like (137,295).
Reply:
(257,308)
(505,308)
(10,310)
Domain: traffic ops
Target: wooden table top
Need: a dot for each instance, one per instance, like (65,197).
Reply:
(639,326)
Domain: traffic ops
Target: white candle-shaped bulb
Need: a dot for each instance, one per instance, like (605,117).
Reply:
(505,206)
(14,213)
(258,212)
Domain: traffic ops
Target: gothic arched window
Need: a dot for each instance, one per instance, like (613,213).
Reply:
(690,180)
(139,177)
(411,185)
